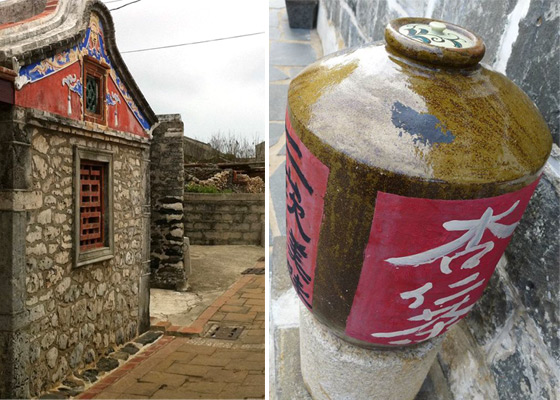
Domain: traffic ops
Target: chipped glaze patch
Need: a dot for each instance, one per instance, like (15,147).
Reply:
(424,128)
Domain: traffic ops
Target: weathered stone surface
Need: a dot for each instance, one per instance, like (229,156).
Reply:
(76,355)
(107,364)
(333,369)
(21,10)
(291,54)
(464,366)
(130,349)
(73,382)
(277,101)
(120,355)
(148,337)
(52,356)
(492,311)
(534,254)
(53,395)
(534,59)
(288,383)
(521,370)
(167,181)
(89,375)
(69,392)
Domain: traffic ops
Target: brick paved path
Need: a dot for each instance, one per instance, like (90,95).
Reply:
(183,365)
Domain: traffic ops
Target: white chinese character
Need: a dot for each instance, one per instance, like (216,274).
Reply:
(475,230)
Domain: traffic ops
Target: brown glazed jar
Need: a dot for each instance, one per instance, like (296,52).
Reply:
(409,165)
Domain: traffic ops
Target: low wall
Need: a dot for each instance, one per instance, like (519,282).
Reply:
(224,218)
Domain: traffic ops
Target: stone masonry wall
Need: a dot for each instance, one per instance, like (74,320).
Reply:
(521,37)
(167,187)
(227,218)
(76,314)
(508,346)
(16,198)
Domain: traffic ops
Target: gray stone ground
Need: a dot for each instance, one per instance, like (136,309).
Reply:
(214,269)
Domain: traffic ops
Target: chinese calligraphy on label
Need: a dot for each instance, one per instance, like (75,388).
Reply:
(427,262)
(306,184)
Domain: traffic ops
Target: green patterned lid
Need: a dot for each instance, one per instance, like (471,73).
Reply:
(434,42)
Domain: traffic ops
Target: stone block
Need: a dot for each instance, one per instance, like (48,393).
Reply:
(288,383)
(334,369)
(533,255)
(490,314)
(15,166)
(534,58)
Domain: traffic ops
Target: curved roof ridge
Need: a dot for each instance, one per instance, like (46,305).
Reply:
(25,43)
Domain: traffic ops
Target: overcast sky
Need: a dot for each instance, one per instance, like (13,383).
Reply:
(217,86)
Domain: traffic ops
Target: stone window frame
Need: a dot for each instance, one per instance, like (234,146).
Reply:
(106,252)
(97,70)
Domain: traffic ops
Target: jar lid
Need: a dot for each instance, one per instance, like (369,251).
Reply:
(434,42)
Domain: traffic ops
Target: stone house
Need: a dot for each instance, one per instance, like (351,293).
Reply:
(75,133)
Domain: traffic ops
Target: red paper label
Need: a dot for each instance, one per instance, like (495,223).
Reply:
(427,262)
(306,184)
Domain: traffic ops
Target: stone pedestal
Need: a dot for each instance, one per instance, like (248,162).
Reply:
(335,369)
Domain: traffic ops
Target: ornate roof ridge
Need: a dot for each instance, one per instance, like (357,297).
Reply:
(39,38)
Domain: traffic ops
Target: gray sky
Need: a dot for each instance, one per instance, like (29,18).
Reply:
(218,86)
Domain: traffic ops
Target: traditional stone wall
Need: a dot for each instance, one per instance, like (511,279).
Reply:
(167,188)
(15,199)
(227,218)
(521,37)
(76,314)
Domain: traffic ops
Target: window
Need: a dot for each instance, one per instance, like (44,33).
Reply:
(93,206)
(94,96)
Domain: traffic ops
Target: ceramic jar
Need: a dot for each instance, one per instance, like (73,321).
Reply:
(409,165)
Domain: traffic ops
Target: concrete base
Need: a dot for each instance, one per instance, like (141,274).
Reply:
(335,369)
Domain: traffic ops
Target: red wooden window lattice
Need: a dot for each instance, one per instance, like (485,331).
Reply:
(91,205)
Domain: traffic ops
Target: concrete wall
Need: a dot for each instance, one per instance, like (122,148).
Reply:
(508,347)
(228,218)
(167,187)
(57,318)
(521,37)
